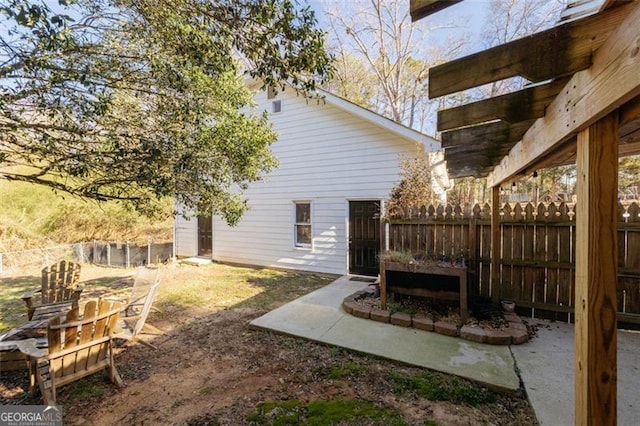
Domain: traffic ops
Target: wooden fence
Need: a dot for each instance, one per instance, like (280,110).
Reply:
(537,262)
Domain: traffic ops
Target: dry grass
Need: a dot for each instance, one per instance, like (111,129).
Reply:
(33,216)
(215,288)
(96,280)
(211,368)
(205,288)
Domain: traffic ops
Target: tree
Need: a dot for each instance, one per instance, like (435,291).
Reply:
(415,188)
(507,20)
(629,177)
(468,190)
(514,19)
(137,100)
(352,80)
(377,36)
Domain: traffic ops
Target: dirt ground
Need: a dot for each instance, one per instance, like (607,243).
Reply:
(211,368)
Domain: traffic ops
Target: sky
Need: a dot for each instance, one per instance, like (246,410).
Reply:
(471,14)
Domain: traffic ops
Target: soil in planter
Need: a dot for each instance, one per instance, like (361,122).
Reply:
(483,312)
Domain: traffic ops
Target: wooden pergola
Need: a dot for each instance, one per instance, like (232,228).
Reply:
(582,107)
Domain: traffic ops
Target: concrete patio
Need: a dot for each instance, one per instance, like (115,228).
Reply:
(545,364)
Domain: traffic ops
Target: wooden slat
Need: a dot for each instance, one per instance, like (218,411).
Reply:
(86,333)
(55,344)
(70,341)
(101,330)
(523,105)
(530,275)
(552,257)
(629,143)
(540,290)
(495,244)
(612,81)
(61,281)
(630,122)
(547,236)
(494,134)
(506,270)
(556,52)
(596,261)
(517,252)
(473,151)
(422,8)
(565,291)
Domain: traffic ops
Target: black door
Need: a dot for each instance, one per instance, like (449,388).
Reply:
(364,237)
(205,236)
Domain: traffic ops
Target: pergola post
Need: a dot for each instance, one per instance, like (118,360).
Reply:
(596,273)
(496,244)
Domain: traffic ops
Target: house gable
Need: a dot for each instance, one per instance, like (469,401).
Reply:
(330,152)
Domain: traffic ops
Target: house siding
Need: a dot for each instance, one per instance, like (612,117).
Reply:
(186,236)
(327,156)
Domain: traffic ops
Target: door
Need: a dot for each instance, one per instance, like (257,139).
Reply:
(364,237)
(205,236)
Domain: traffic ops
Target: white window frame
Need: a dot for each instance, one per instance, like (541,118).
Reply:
(296,244)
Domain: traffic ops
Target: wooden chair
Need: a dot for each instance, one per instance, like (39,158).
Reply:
(134,318)
(145,278)
(77,347)
(59,284)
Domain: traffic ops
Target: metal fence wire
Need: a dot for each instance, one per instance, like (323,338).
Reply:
(106,253)
(125,255)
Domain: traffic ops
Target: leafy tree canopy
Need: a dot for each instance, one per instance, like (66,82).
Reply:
(135,100)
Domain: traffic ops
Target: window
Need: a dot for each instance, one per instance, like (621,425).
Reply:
(302,228)
(276,106)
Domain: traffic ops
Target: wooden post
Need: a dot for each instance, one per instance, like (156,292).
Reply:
(596,260)
(496,244)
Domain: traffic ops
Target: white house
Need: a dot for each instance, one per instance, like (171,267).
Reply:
(319,210)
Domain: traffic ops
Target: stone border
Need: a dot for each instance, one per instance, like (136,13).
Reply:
(516,333)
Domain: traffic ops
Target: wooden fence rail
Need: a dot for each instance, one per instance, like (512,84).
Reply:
(537,262)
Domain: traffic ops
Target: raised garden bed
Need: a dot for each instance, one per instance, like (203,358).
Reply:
(434,269)
(507,330)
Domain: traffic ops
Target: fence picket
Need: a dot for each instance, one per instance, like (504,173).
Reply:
(529,273)
(538,259)
(517,250)
(564,258)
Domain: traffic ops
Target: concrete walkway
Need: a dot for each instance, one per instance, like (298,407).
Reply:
(319,316)
(545,363)
(547,370)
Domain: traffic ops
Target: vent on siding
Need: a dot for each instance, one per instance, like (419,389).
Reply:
(276,106)
(271,92)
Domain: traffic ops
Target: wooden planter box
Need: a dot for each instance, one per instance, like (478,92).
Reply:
(455,294)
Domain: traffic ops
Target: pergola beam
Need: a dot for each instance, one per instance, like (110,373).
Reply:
(612,81)
(422,8)
(515,107)
(550,54)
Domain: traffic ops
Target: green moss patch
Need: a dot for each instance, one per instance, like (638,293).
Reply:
(340,371)
(321,413)
(435,387)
